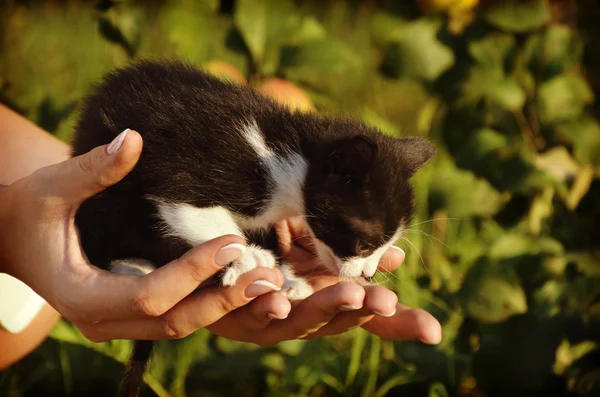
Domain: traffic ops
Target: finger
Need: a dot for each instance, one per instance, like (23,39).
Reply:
(83,176)
(198,310)
(295,240)
(342,322)
(116,296)
(391,259)
(160,290)
(243,323)
(408,324)
(378,301)
(312,313)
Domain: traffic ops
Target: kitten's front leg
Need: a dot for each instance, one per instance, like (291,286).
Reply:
(252,258)
(197,225)
(294,287)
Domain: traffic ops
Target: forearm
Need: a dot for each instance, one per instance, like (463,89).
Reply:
(24,147)
(16,346)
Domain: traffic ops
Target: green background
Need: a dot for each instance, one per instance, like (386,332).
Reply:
(505,245)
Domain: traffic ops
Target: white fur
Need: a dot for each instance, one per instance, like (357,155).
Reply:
(286,176)
(252,258)
(355,266)
(135,266)
(294,287)
(198,225)
(371,262)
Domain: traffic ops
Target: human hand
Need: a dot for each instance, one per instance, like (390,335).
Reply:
(39,245)
(335,308)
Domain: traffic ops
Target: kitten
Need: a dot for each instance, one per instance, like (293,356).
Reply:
(221,159)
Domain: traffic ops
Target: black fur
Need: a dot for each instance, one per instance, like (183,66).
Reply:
(356,191)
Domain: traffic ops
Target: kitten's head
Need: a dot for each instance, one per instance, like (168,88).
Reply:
(357,195)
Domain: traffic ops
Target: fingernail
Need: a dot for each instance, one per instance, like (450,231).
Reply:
(115,145)
(384,314)
(229,253)
(260,287)
(433,338)
(399,249)
(273,316)
(349,308)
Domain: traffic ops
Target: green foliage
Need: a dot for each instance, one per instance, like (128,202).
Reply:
(504,248)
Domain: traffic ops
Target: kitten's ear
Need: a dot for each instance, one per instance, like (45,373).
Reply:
(415,152)
(352,158)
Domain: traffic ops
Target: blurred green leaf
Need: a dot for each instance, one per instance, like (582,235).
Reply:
(492,294)
(122,25)
(552,51)
(267,25)
(418,53)
(541,209)
(520,352)
(463,194)
(118,350)
(310,29)
(325,55)
(492,50)
(583,376)
(328,65)
(494,86)
(517,15)
(563,98)
(558,163)
(438,390)
(584,134)
(291,347)
(383,125)
(356,355)
(581,186)
(513,245)
(188,25)
(386,27)
(251,18)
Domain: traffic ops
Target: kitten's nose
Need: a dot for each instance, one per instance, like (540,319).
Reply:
(369,271)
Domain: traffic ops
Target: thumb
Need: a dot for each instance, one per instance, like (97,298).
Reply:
(81,177)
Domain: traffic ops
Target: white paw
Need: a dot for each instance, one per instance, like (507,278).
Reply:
(294,287)
(135,266)
(252,258)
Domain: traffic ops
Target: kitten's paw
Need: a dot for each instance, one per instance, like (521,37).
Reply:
(135,266)
(296,289)
(252,258)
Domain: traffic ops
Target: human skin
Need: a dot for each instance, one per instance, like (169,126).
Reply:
(39,245)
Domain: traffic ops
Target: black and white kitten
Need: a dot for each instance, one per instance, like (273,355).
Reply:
(221,159)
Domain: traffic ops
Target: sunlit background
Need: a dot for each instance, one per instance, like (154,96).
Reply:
(505,245)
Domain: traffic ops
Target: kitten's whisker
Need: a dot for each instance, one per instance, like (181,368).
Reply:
(428,235)
(416,249)
(437,219)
